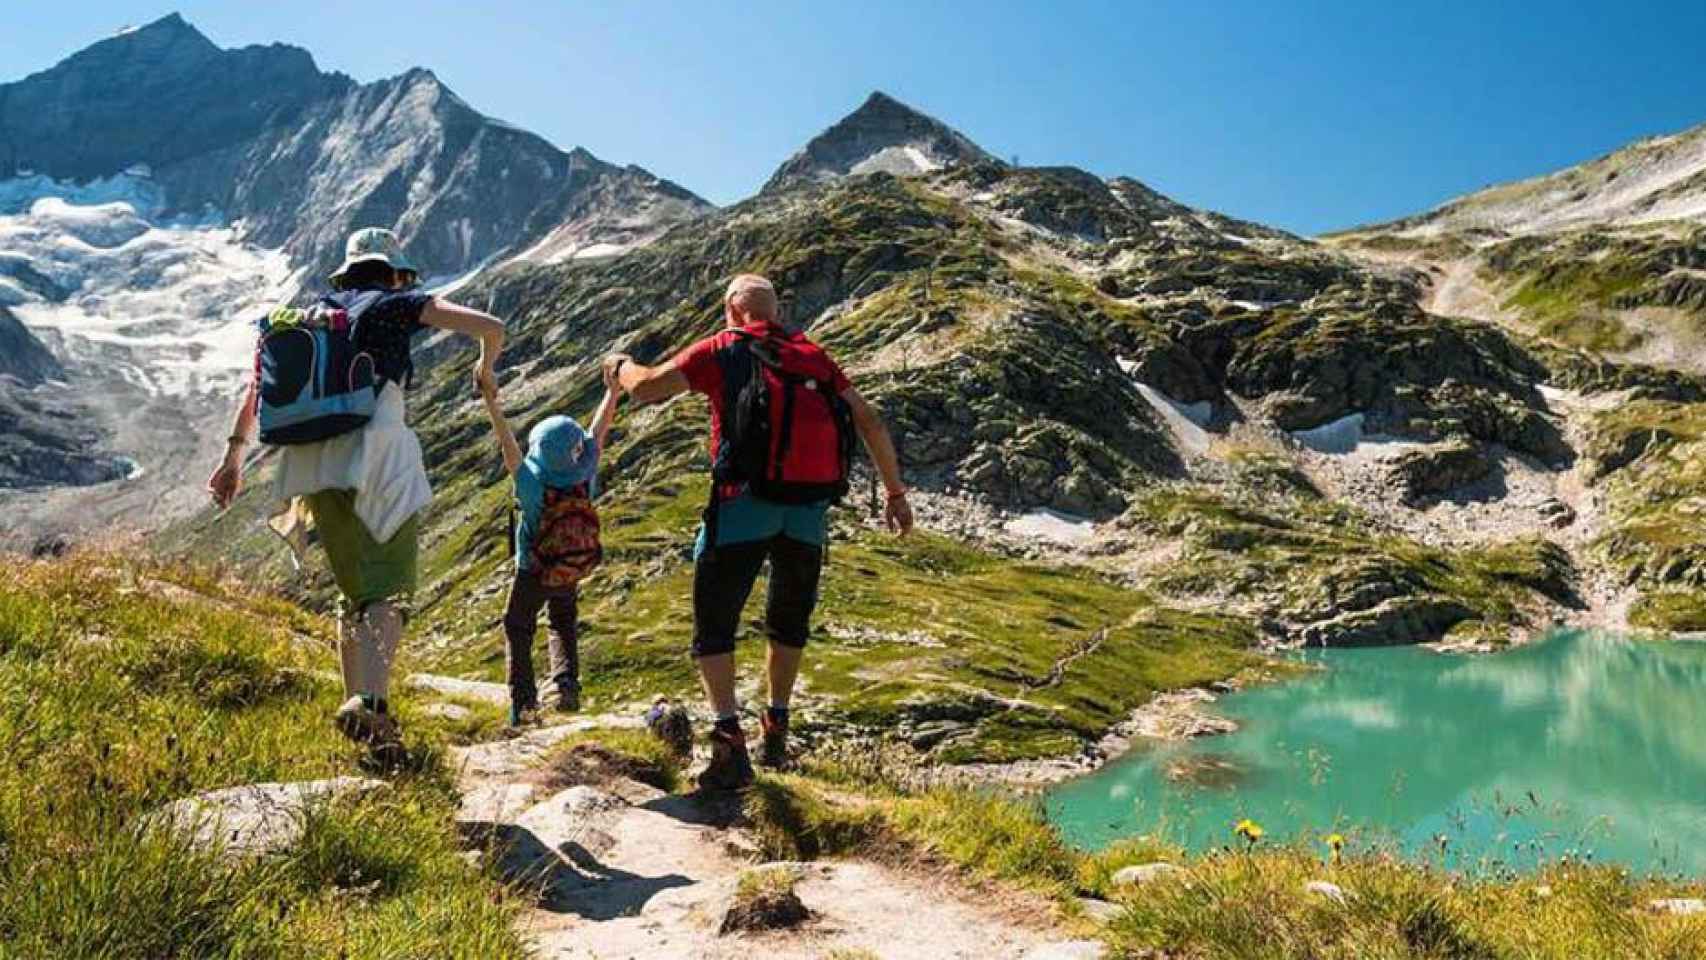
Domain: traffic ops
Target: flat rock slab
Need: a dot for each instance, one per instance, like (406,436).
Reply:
(855,906)
(507,759)
(457,687)
(1143,873)
(494,804)
(257,818)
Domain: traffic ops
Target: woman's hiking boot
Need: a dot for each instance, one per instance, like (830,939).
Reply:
(730,767)
(773,747)
(373,729)
(365,725)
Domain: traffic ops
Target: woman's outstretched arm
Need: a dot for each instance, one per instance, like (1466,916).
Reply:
(484,327)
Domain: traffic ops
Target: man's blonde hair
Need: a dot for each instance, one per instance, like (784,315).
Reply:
(754,296)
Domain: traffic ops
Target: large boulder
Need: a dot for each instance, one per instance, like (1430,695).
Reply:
(257,818)
(1437,470)
(1400,620)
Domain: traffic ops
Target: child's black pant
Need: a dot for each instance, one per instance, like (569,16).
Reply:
(521,623)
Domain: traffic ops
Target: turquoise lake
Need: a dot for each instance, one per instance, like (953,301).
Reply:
(1582,744)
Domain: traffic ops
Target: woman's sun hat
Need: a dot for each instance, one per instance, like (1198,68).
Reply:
(374,244)
(562,453)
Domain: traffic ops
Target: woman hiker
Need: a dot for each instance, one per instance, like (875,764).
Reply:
(363,490)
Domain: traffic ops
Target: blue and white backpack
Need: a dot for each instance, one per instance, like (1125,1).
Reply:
(315,383)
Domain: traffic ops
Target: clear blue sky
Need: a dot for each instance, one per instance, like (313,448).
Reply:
(1308,116)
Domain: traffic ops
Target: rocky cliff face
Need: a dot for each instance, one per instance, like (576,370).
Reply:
(22,356)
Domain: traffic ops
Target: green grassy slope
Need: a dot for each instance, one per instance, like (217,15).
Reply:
(125,685)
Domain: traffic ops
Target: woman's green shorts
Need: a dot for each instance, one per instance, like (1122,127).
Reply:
(366,570)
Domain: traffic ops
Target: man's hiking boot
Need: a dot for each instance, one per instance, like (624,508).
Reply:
(523,716)
(773,747)
(673,725)
(363,724)
(730,767)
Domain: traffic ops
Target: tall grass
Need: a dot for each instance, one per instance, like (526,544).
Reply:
(125,685)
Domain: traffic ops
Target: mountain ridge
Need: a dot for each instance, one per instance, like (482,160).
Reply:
(298,155)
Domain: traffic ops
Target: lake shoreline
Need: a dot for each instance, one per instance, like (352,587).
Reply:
(1168,717)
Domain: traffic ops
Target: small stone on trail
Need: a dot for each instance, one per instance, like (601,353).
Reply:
(763,898)
(447,711)
(1142,873)
(1682,906)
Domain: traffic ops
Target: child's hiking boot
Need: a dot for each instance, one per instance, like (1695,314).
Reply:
(730,768)
(567,700)
(773,747)
(363,724)
(523,715)
(672,725)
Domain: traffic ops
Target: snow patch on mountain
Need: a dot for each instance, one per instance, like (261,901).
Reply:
(902,161)
(166,307)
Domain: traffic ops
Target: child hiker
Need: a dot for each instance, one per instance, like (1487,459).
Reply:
(555,529)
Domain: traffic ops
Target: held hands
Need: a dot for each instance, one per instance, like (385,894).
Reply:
(612,366)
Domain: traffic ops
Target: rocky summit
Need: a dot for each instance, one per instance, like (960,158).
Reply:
(882,136)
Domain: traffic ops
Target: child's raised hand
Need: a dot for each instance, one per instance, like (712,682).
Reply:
(612,367)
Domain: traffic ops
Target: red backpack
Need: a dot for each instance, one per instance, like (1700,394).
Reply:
(786,436)
(565,545)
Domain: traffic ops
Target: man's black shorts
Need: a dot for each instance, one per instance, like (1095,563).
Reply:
(723,579)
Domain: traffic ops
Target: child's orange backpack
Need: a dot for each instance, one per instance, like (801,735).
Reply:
(565,545)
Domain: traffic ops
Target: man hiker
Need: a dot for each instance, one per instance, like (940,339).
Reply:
(328,391)
(782,418)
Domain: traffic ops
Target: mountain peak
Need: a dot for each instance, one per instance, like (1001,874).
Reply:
(883,135)
(169,29)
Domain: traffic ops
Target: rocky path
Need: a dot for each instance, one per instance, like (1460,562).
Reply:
(625,870)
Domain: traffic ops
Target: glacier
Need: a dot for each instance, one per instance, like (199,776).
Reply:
(166,304)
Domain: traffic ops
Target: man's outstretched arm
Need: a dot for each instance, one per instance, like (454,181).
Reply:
(897,512)
(646,384)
